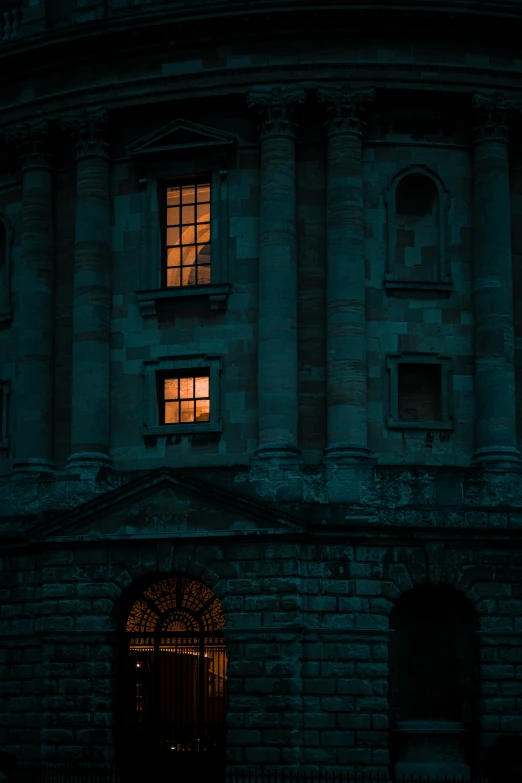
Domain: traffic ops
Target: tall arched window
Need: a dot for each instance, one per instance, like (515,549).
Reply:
(174,677)
(417,207)
(433,677)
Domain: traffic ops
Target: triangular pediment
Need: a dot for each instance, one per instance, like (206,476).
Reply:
(178,135)
(164,503)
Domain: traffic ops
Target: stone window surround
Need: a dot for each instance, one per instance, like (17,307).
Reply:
(152,367)
(5,390)
(392,364)
(152,289)
(391,281)
(6,307)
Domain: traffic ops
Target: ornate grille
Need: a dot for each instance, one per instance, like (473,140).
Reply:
(175,673)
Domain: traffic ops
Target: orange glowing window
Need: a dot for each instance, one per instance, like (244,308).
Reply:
(186,399)
(188,235)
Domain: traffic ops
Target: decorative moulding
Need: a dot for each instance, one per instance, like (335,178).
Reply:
(180,135)
(393,360)
(213,296)
(392,280)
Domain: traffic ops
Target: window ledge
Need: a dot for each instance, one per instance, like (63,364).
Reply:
(395,424)
(414,285)
(215,294)
(165,430)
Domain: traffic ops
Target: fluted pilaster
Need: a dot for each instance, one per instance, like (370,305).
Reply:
(33,283)
(91,318)
(493,287)
(277,320)
(346,281)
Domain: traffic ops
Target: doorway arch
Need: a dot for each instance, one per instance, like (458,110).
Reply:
(434,674)
(174,673)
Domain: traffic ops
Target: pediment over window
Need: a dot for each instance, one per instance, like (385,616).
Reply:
(164,503)
(179,135)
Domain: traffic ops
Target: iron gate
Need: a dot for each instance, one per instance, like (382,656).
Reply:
(175,673)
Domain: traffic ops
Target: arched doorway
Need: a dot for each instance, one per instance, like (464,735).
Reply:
(433,682)
(174,680)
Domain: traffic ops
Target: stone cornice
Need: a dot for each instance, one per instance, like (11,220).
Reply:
(492,115)
(276,106)
(88,130)
(31,142)
(347,107)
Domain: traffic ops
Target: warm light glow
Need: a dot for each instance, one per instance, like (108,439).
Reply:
(187,400)
(188,235)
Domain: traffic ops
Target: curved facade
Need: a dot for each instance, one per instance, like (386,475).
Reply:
(259,329)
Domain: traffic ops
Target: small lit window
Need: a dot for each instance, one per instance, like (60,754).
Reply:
(185,399)
(188,235)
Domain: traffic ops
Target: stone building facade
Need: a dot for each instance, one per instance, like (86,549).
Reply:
(260,339)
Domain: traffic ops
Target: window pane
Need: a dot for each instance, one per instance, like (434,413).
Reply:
(202,387)
(187,194)
(188,214)
(171,412)
(204,233)
(188,235)
(173,277)
(189,275)
(204,254)
(173,236)
(187,411)
(203,192)
(189,256)
(203,213)
(173,256)
(203,275)
(171,389)
(172,196)
(173,216)
(186,387)
(203,410)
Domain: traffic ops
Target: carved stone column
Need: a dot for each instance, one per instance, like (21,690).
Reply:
(493,288)
(346,281)
(91,316)
(33,324)
(277,319)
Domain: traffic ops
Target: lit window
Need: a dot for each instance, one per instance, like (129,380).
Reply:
(188,235)
(186,399)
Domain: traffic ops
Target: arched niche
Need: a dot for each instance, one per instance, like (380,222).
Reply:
(417,206)
(434,676)
(6,241)
(173,667)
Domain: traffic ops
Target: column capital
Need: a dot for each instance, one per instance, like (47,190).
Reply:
(347,107)
(492,115)
(276,106)
(32,143)
(88,130)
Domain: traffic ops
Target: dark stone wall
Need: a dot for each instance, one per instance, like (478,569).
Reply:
(307,637)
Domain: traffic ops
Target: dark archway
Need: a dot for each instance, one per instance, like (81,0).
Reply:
(434,675)
(174,673)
